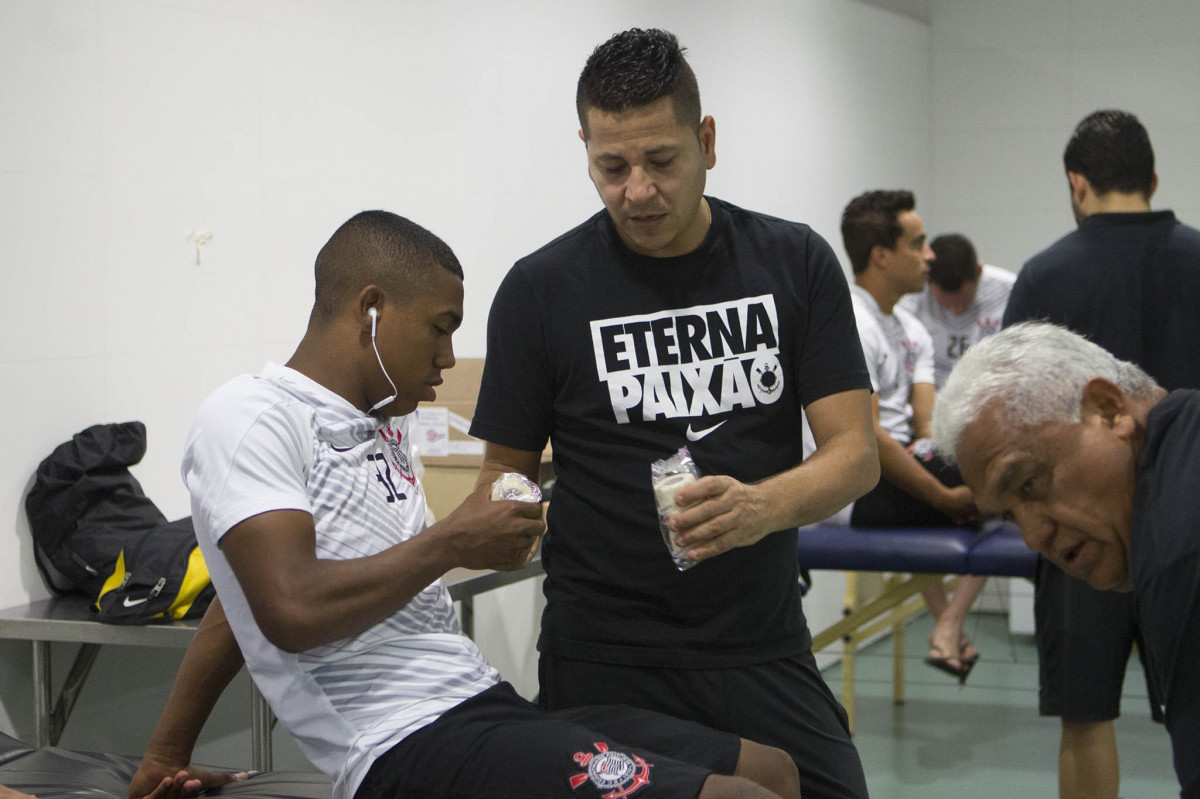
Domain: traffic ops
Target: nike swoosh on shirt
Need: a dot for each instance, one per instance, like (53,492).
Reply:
(696,435)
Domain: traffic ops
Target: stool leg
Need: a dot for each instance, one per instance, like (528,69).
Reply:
(43,709)
(261,719)
(80,669)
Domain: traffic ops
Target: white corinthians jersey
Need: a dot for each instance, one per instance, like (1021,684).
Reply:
(279,441)
(953,335)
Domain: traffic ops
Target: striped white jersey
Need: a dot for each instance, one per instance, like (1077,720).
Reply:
(279,441)
(953,335)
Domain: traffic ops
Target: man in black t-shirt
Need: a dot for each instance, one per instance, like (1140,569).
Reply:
(672,319)
(1100,468)
(1129,279)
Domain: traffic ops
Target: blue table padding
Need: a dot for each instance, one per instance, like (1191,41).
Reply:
(1001,551)
(995,551)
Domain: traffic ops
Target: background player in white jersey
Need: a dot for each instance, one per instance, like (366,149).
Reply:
(885,239)
(963,302)
(313,528)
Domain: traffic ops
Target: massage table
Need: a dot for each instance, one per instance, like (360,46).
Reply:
(911,559)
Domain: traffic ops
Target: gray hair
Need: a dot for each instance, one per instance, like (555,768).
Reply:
(1036,372)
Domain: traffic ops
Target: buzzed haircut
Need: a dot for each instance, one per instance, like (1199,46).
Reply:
(956,262)
(381,248)
(872,219)
(634,69)
(1112,150)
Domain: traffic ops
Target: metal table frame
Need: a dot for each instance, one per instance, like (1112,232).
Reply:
(68,620)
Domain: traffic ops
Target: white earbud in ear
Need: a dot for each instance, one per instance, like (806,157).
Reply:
(373,312)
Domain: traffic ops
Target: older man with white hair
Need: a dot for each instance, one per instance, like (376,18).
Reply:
(1100,467)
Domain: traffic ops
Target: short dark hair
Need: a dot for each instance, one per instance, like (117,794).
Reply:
(870,220)
(634,69)
(381,248)
(956,262)
(1112,150)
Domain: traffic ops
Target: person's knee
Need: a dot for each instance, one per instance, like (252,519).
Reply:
(770,767)
(1088,734)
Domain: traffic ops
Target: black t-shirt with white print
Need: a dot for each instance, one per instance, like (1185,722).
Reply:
(620,360)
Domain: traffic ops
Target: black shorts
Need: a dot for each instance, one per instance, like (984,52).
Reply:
(782,703)
(497,745)
(1084,639)
(885,505)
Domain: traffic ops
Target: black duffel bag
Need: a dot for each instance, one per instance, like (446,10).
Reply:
(96,533)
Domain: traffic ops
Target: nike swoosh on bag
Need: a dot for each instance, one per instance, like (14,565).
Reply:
(134,603)
(696,435)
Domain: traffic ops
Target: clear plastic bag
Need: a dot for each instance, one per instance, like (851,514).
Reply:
(515,486)
(669,476)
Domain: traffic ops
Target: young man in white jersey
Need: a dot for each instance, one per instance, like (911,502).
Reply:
(964,301)
(312,524)
(890,256)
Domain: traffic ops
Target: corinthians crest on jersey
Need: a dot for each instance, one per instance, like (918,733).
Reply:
(391,441)
(617,773)
(690,362)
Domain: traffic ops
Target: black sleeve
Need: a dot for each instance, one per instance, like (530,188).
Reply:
(516,394)
(831,359)
(1173,637)
(1018,309)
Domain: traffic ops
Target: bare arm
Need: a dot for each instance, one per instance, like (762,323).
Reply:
(901,469)
(301,601)
(498,459)
(722,513)
(211,662)
(921,399)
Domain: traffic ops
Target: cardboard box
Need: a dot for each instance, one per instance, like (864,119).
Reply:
(442,438)
(450,455)
(447,486)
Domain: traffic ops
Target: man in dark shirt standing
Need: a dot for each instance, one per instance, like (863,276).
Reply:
(671,319)
(1129,279)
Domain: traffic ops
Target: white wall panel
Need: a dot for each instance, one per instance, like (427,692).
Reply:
(975,25)
(48,87)
(1010,82)
(1119,25)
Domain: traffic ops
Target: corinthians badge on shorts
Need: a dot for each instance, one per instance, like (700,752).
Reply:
(616,772)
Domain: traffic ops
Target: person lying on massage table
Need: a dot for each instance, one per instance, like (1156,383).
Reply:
(1100,468)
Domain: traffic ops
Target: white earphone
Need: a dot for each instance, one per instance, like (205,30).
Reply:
(374,314)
